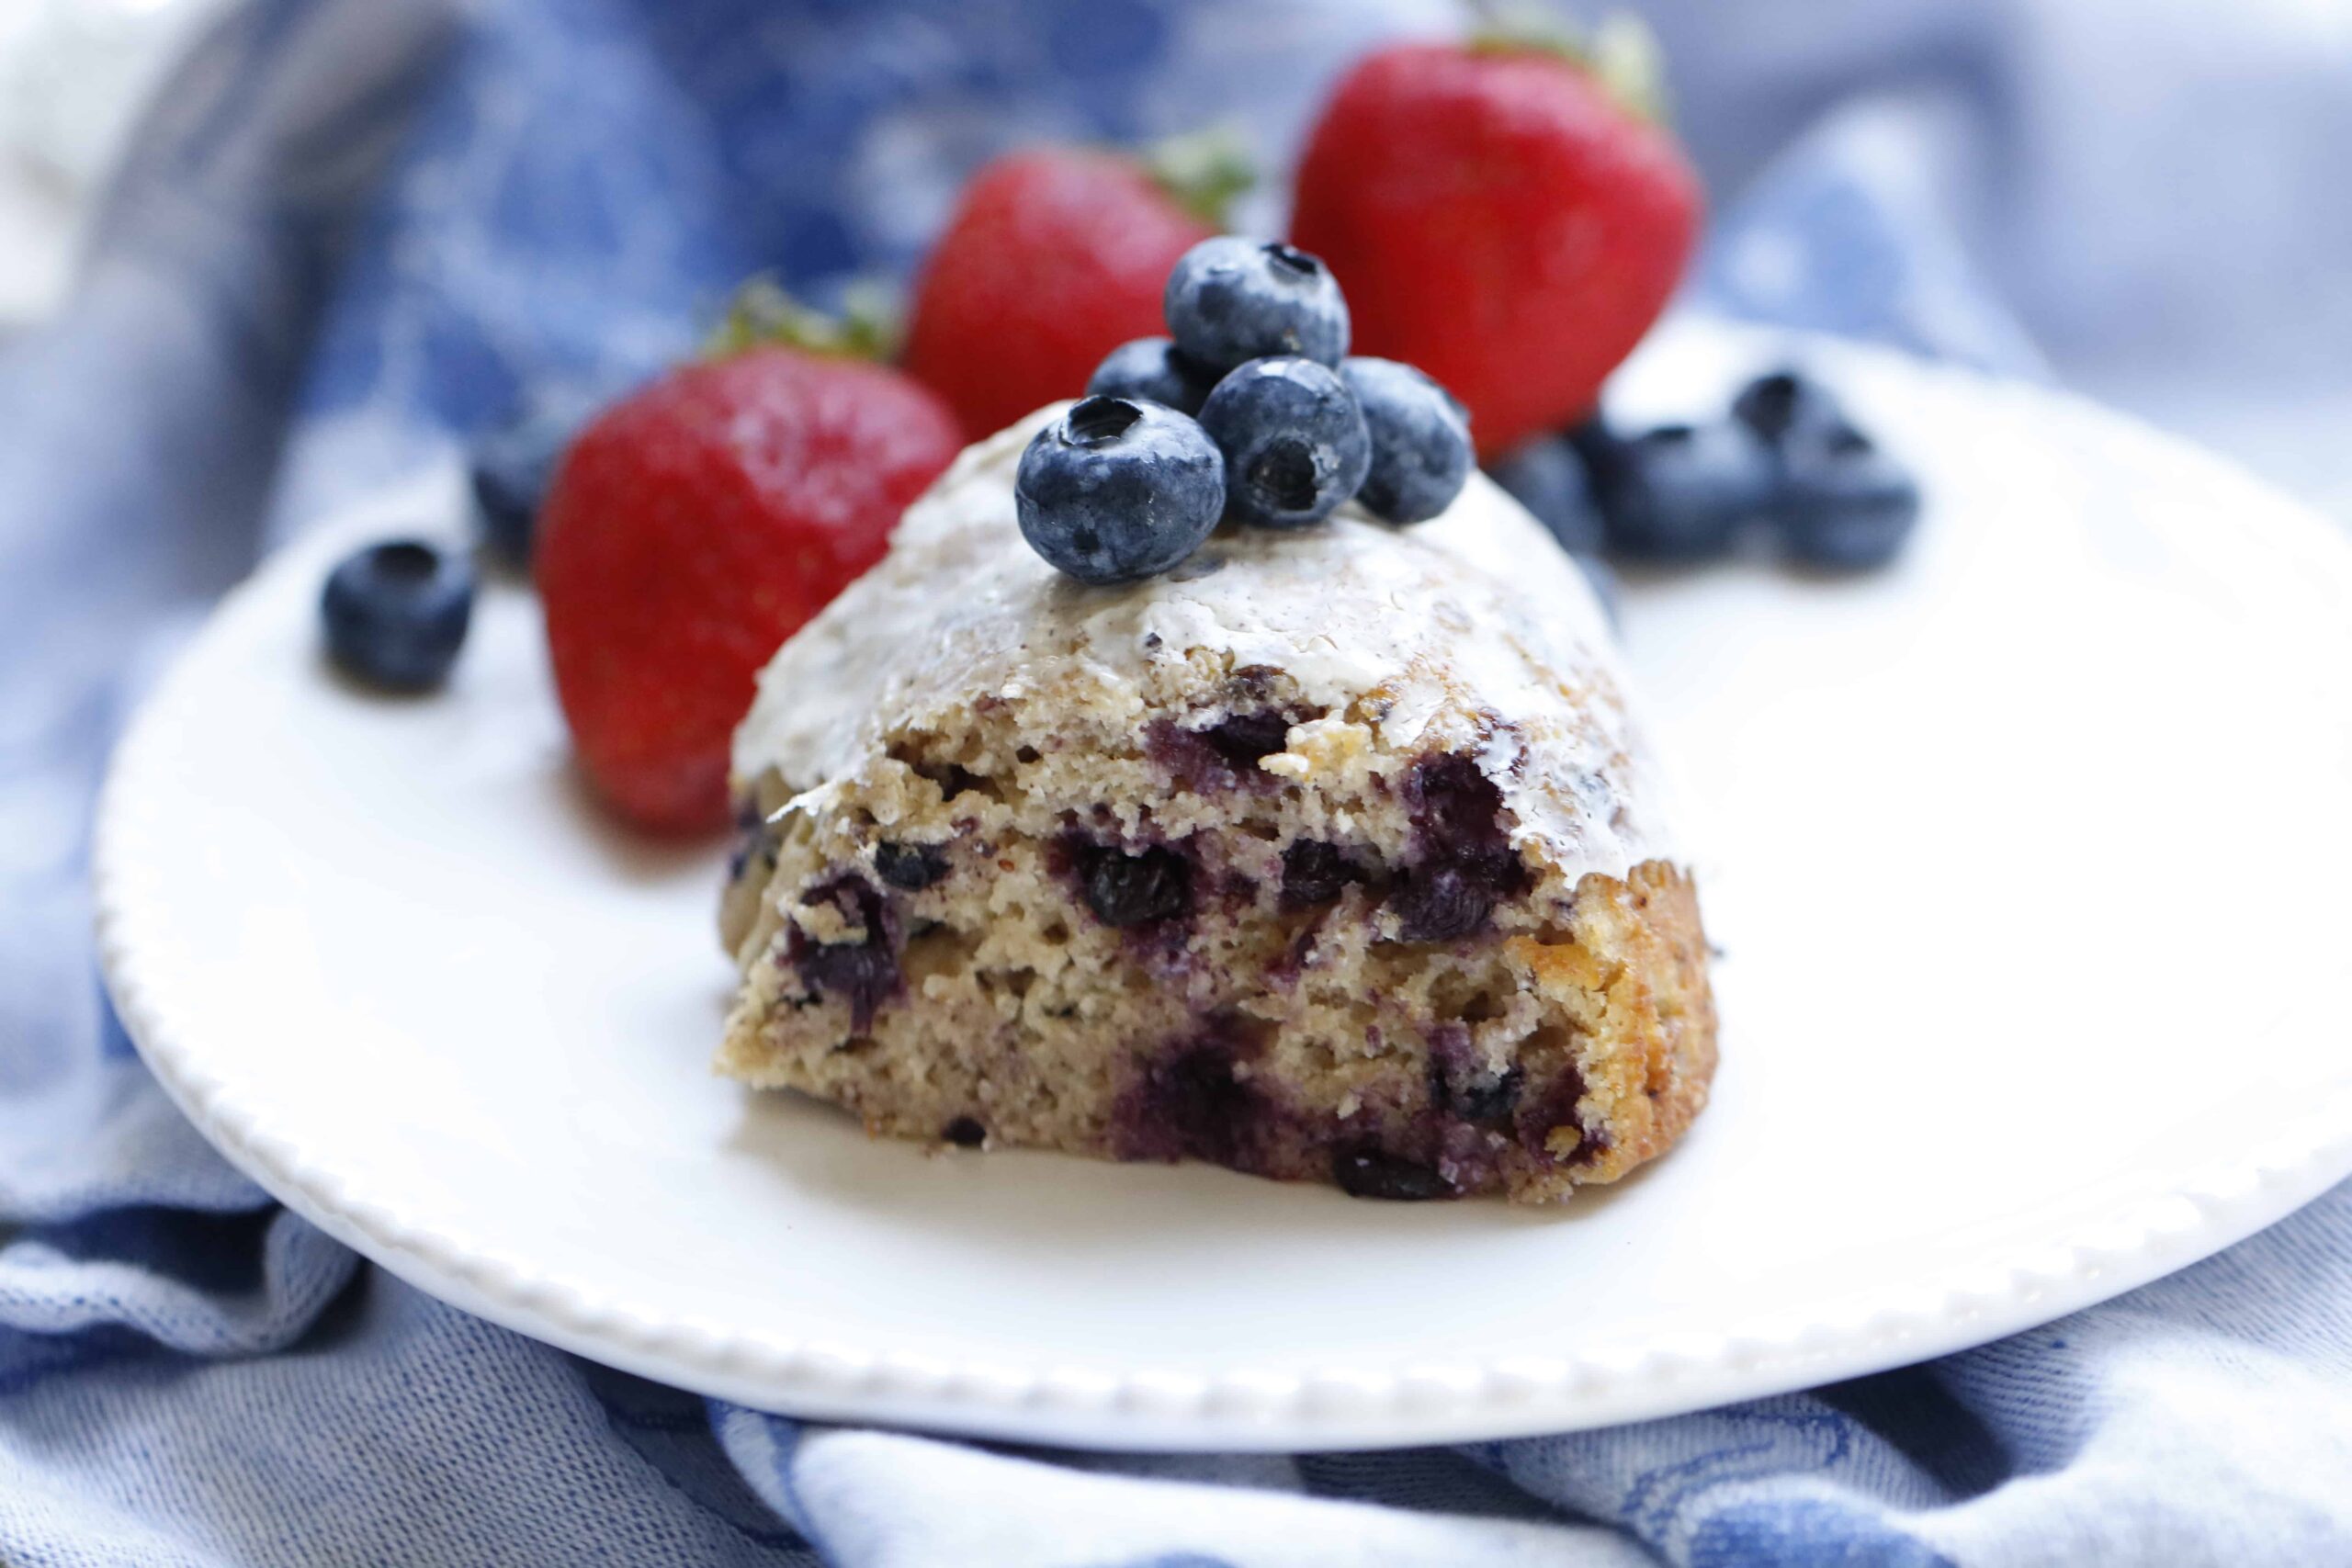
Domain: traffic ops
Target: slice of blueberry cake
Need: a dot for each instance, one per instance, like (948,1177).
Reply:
(1329,856)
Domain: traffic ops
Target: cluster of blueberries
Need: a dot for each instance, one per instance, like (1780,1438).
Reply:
(1784,460)
(1251,410)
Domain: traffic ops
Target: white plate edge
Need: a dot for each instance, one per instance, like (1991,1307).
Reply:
(2211,1207)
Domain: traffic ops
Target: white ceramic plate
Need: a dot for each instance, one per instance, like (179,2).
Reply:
(2026,858)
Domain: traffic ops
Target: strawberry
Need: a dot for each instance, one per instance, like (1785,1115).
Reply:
(1499,218)
(694,525)
(1056,256)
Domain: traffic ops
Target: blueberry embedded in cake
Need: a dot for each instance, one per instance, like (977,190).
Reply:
(1332,855)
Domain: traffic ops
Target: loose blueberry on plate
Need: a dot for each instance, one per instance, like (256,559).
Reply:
(1601,445)
(1230,300)
(1845,505)
(1118,489)
(1421,440)
(396,614)
(511,470)
(1548,478)
(1785,404)
(1153,368)
(1293,440)
(1682,492)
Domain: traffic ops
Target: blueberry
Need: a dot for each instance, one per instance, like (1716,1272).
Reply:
(1439,902)
(910,868)
(862,971)
(1137,890)
(1293,440)
(396,614)
(1602,446)
(1231,300)
(1363,1171)
(1421,440)
(1154,368)
(1464,863)
(1682,492)
(1785,404)
(1485,1098)
(1454,805)
(1195,1101)
(512,468)
(1314,873)
(1844,504)
(1223,756)
(1547,476)
(1119,489)
(1242,741)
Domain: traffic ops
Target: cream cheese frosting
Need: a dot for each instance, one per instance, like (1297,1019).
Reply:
(1472,631)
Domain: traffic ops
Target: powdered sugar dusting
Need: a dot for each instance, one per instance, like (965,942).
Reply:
(1472,632)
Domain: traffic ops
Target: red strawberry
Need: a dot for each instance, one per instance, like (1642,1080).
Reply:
(693,527)
(1055,257)
(1498,219)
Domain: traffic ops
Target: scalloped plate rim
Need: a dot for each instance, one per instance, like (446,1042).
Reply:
(2215,1204)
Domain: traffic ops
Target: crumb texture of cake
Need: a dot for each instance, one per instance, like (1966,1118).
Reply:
(1333,856)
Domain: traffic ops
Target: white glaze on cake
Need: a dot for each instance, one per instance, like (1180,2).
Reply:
(1476,630)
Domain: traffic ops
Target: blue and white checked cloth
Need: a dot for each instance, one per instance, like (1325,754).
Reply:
(355,229)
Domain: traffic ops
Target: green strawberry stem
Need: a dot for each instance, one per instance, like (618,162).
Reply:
(762,312)
(1202,171)
(1620,53)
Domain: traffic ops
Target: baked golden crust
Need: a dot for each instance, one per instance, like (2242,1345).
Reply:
(1640,963)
